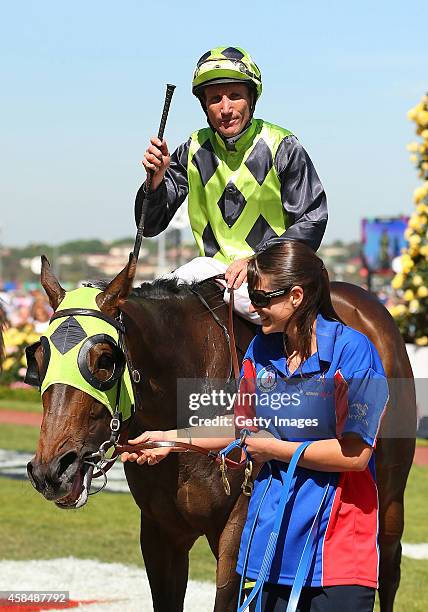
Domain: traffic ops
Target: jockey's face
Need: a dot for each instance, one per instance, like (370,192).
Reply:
(276,315)
(228,107)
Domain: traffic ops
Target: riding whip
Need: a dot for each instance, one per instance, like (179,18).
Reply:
(139,236)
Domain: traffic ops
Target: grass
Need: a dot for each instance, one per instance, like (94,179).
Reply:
(107,528)
(32,528)
(415,500)
(26,395)
(21,405)
(19,437)
(412,595)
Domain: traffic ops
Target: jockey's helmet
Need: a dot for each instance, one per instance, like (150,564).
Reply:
(226,65)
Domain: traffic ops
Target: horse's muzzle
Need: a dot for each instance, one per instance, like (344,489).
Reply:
(55,479)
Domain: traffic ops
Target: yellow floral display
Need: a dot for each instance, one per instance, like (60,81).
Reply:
(411,283)
(15,343)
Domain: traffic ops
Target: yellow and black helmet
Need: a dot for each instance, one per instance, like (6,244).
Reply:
(226,65)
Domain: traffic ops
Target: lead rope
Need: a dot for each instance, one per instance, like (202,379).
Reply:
(308,549)
(247,485)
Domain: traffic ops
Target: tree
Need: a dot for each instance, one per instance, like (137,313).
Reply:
(411,284)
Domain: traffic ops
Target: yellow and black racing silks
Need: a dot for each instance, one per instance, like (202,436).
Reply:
(243,195)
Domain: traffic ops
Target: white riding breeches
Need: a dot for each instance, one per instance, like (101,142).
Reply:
(201,268)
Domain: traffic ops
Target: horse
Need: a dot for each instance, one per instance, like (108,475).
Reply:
(170,335)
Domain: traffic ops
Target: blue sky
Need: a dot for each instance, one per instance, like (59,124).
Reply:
(83,84)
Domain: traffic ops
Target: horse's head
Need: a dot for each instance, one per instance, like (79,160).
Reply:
(77,365)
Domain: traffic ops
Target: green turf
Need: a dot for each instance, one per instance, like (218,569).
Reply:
(415,504)
(25,395)
(421,442)
(107,528)
(18,437)
(412,595)
(20,405)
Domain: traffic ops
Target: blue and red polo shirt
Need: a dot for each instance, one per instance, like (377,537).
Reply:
(340,389)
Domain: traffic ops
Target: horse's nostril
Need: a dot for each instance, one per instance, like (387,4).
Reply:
(30,474)
(65,462)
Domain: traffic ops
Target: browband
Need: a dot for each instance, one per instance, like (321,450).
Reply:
(88,312)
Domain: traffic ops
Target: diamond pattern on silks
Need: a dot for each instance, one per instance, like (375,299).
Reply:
(67,335)
(211,246)
(231,204)
(260,161)
(206,161)
(203,58)
(232,53)
(260,232)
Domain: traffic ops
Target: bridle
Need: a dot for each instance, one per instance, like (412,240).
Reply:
(100,460)
(118,437)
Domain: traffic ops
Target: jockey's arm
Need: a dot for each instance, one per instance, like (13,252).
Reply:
(304,201)
(168,196)
(302,194)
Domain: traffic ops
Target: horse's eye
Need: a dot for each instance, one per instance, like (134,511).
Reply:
(105,362)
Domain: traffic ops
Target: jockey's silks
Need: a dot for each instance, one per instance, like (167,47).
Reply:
(235,196)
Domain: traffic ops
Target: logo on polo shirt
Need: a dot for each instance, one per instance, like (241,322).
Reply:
(267,378)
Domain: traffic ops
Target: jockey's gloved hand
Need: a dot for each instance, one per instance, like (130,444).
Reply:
(236,273)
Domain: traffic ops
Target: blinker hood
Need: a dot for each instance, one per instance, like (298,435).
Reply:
(66,346)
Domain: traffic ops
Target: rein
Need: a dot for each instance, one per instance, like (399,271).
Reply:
(228,331)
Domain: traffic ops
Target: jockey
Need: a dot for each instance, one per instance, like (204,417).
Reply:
(249,183)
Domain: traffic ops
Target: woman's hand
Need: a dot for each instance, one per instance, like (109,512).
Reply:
(149,456)
(261,446)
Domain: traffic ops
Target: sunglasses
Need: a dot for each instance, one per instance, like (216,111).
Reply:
(261,299)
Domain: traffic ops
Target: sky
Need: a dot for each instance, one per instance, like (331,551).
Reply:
(83,85)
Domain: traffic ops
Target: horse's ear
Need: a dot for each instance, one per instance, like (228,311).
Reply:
(119,288)
(50,284)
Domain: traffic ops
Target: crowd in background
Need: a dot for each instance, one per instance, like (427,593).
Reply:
(27,316)
(23,308)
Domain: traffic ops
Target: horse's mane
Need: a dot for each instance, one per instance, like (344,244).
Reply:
(161,288)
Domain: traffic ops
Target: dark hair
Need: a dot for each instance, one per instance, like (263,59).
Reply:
(288,264)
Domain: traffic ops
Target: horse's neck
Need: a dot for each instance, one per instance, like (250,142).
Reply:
(172,337)
(168,340)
